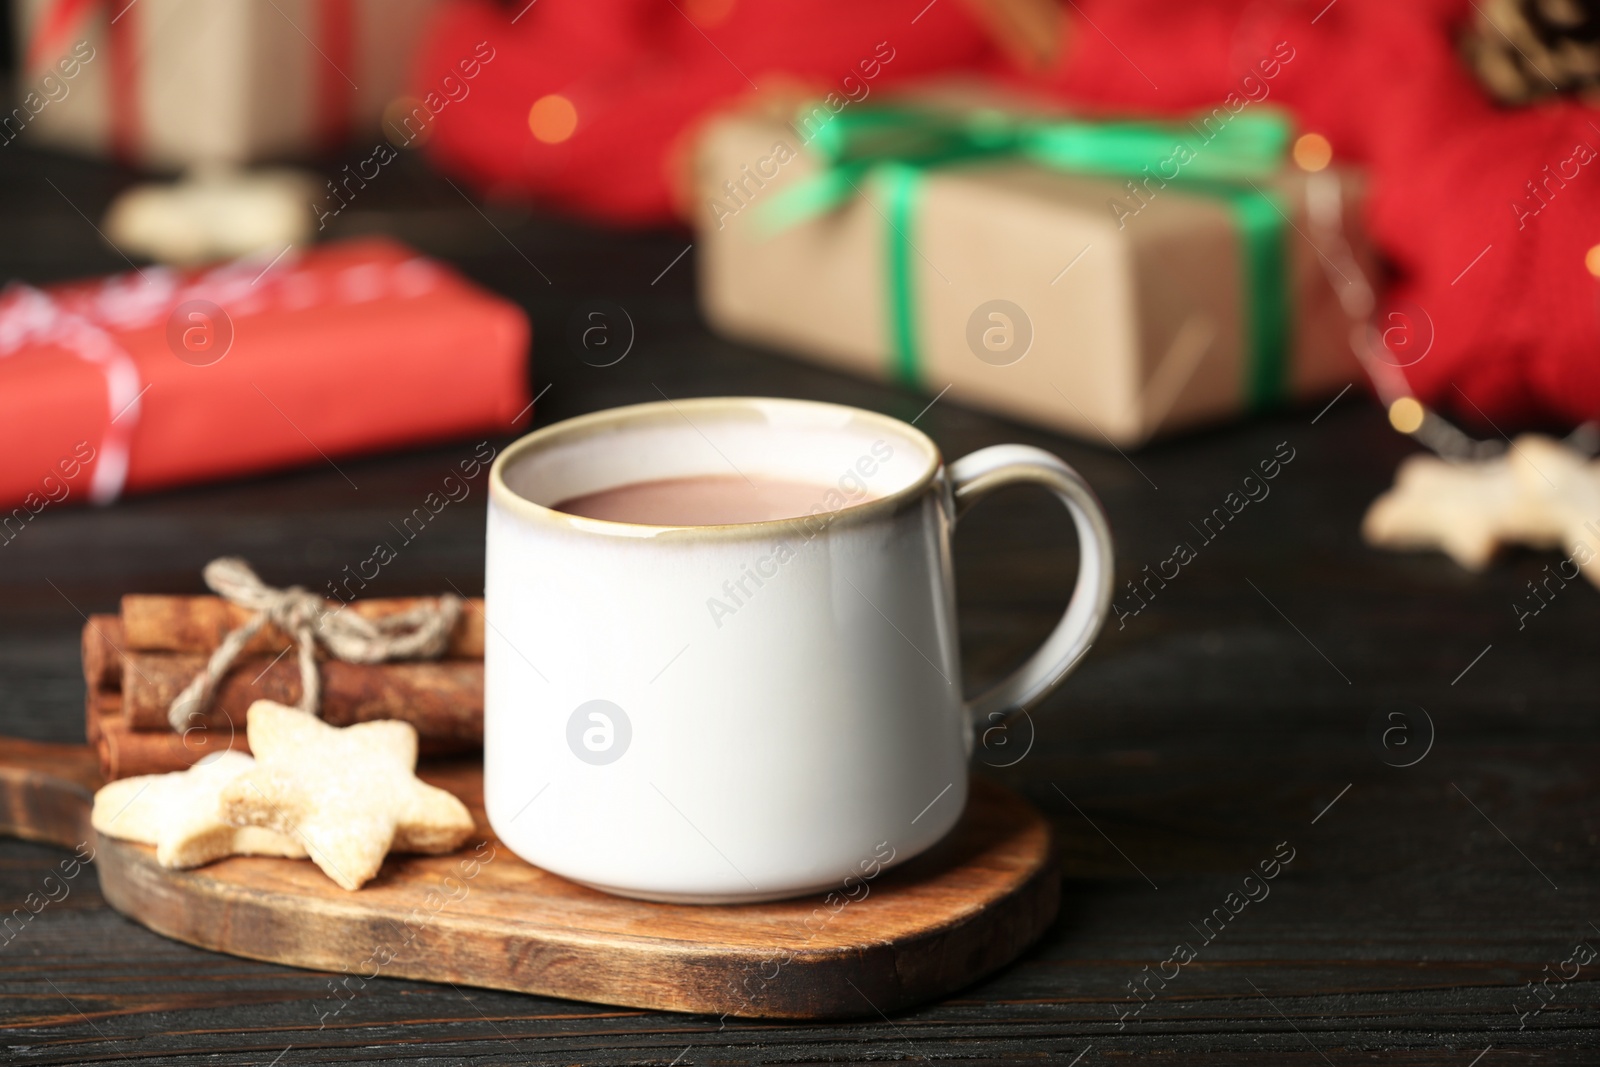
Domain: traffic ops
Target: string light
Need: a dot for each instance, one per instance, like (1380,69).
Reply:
(1406,414)
(552,118)
(1312,152)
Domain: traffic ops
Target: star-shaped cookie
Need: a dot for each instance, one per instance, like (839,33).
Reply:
(178,813)
(1539,494)
(1566,485)
(349,795)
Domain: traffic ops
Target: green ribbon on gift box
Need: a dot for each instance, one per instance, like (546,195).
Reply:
(894,147)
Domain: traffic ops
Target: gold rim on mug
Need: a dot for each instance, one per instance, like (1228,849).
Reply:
(597,423)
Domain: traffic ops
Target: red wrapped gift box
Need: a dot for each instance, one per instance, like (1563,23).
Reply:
(157,378)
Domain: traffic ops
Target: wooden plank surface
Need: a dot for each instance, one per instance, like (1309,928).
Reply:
(1224,718)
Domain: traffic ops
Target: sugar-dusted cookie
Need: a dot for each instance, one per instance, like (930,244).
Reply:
(1540,493)
(215,213)
(1565,484)
(349,795)
(178,813)
(1459,508)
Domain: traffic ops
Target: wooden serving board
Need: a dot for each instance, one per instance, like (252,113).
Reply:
(483,917)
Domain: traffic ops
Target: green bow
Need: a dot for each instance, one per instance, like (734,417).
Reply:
(894,146)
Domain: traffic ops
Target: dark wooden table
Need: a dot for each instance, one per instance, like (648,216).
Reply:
(1244,707)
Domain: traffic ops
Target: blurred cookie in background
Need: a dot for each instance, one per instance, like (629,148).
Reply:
(212,214)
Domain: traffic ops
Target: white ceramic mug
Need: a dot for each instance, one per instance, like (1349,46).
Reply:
(755,711)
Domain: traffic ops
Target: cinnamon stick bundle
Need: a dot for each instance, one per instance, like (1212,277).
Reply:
(443,699)
(102,652)
(124,751)
(135,664)
(91,714)
(199,623)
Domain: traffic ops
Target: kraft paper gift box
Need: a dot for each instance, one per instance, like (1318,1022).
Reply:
(1116,308)
(181,82)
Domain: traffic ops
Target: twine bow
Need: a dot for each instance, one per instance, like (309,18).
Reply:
(422,632)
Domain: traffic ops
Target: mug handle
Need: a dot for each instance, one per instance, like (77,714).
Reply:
(974,477)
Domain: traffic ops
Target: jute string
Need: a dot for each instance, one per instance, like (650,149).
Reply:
(422,632)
